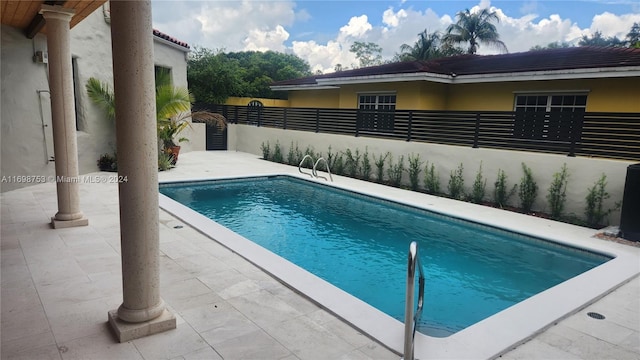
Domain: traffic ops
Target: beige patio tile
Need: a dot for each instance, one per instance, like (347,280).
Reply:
(169,344)
(20,324)
(536,349)
(11,349)
(98,347)
(206,353)
(308,340)
(87,318)
(583,345)
(47,352)
(219,315)
(263,308)
(254,345)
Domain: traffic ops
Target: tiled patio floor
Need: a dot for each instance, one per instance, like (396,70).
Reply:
(57,286)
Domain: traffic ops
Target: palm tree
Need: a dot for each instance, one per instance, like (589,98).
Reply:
(173,108)
(475,28)
(428,46)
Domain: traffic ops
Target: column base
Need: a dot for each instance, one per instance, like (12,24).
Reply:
(61,224)
(126,331)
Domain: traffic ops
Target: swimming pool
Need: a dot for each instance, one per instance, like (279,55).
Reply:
(359,243)
(485,339)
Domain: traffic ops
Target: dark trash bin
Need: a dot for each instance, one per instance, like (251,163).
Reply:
(630,216)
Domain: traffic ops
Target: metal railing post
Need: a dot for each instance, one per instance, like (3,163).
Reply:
(411,318)
(409,127)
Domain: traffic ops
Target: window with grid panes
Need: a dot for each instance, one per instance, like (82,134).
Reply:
(377,112)
(551,117)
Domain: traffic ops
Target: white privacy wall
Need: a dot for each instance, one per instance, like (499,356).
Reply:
(583,172)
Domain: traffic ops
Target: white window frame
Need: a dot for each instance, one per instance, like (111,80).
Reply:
(379,117)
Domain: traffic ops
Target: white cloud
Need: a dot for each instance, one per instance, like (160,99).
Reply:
(357,27)
(266,40)
(232,25)
(613,25)
(323,57)
(391,18)
(266,25)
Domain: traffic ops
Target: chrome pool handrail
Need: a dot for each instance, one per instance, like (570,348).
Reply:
(302,161)
(411,319)
(315,172)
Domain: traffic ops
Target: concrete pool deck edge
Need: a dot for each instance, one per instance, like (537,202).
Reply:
(486,339)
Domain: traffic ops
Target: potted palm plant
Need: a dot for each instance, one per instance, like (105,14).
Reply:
(173,110)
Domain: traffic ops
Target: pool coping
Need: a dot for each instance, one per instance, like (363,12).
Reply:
(486,339)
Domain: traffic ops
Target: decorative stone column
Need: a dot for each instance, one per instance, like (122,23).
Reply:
(63,116)
(142,311)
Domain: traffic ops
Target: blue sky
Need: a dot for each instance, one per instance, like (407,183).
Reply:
(321,32)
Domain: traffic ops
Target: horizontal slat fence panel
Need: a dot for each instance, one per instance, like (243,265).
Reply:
(611,135)
(608,135)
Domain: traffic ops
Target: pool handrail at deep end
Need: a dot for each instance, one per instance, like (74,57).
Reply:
(302,162)
(315,172)
(411,318)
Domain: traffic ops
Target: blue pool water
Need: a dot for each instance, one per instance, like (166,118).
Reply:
(359,244)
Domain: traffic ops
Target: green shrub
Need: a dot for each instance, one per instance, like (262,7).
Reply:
(108,162)
(479,186)
(500,193)
(431,179)
(308,151)
(594,212)
(557,194)
(352,162)
(291,155)
(164,161)
(395,171)
(366,165)
(415,168)
(528,189)
(266,150)
(277,153)
(456,183)
(331,157)
(338,165)
(380,166)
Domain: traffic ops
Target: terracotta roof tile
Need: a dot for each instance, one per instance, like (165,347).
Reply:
(170,39)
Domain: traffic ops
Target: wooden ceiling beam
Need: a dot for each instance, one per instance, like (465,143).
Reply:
(37,23)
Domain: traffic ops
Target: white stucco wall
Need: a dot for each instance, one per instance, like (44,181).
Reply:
(23,149)
(584,172)
(24,144)
(168,56)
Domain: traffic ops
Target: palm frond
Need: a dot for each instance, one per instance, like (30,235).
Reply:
(210,118)
(172,100)
(101,95)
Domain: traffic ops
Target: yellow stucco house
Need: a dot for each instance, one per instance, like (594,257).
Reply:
(595,79)
(576,101)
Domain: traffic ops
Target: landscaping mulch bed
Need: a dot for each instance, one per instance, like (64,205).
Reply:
(604,235)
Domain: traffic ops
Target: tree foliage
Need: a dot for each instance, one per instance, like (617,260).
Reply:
(368,54)
(215,75)
(475,28)
(633,37)
(596,39)
(552,45)
(428,46)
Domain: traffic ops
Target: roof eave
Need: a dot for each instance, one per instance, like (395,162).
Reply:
(589,73)
(417,76)
(171,44)
(301,87)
